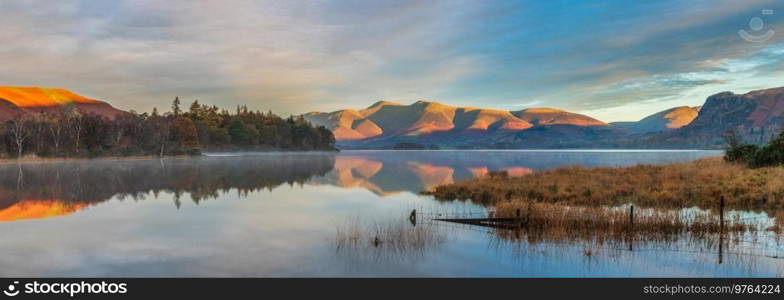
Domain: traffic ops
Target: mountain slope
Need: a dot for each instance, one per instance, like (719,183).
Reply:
(417,119)
(16,101)
(475,119)
(345,124)
(755,116)
(554,116)
(670,119)
(387,123)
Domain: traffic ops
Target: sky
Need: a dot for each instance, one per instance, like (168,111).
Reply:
(613,60)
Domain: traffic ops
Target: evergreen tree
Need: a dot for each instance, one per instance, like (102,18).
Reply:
(176,107)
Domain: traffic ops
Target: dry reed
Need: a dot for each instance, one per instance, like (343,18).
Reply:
(558,222)
(391,236)
(698,183)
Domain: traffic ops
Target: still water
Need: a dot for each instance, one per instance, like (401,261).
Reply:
(277,214)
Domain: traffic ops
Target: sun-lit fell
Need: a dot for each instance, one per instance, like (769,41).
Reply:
(40,97)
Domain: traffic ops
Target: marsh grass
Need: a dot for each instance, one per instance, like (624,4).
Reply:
(546,222)
(390,236)
(699,183)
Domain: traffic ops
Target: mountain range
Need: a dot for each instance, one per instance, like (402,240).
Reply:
(755,116)
(21,101)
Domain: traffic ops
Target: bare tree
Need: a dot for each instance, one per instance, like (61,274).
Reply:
(162,127)
(75,123)
(56,133)
(20,133)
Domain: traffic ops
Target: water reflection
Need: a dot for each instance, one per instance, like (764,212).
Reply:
(39,209)
(277,214)
(40,190)
(392,172)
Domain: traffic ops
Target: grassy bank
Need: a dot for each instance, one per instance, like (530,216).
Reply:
(698,183)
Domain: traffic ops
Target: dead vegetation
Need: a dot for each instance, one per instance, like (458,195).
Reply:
(558,222)
(391,236)
(698,183)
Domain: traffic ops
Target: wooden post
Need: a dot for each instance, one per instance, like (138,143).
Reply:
(631,227)
(721,214)
(721,229)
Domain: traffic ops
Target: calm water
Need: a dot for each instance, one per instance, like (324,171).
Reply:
(277,215)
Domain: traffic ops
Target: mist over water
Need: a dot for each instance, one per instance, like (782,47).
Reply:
(276,214)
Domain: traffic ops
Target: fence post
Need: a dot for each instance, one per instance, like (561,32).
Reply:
(631,227)
(721,214)
(721,228)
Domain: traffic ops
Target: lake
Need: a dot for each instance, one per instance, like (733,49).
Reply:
(278,214)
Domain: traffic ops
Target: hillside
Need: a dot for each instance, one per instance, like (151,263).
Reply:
(40,130)
(666,120)
(16,101)
(756,117)
(554,116)
(386,123)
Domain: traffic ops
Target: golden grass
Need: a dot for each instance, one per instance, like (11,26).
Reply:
(698,183)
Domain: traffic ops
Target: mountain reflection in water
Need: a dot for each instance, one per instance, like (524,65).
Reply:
(49,189)
(75,185)
(276,214)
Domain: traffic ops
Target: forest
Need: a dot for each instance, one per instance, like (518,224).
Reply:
(177,132)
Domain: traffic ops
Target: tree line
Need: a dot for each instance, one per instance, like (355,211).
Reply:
(770,154)
(72,133)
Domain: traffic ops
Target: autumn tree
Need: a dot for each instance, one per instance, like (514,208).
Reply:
(184,136)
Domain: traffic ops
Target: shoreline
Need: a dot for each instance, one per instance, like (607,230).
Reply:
(539,150)
(30,160)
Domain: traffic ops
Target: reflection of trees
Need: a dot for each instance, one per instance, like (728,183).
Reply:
(202,178)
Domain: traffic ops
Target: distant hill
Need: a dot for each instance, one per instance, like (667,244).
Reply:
(106,131)
(16,101)
(756,117)
(553,116)
(666,120)
(385,123)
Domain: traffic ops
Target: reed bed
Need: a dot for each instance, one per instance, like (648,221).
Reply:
(558,222)
(390,236)
(699,183)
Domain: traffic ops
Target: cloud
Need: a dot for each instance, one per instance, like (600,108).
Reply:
(286,56)
(294,56)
